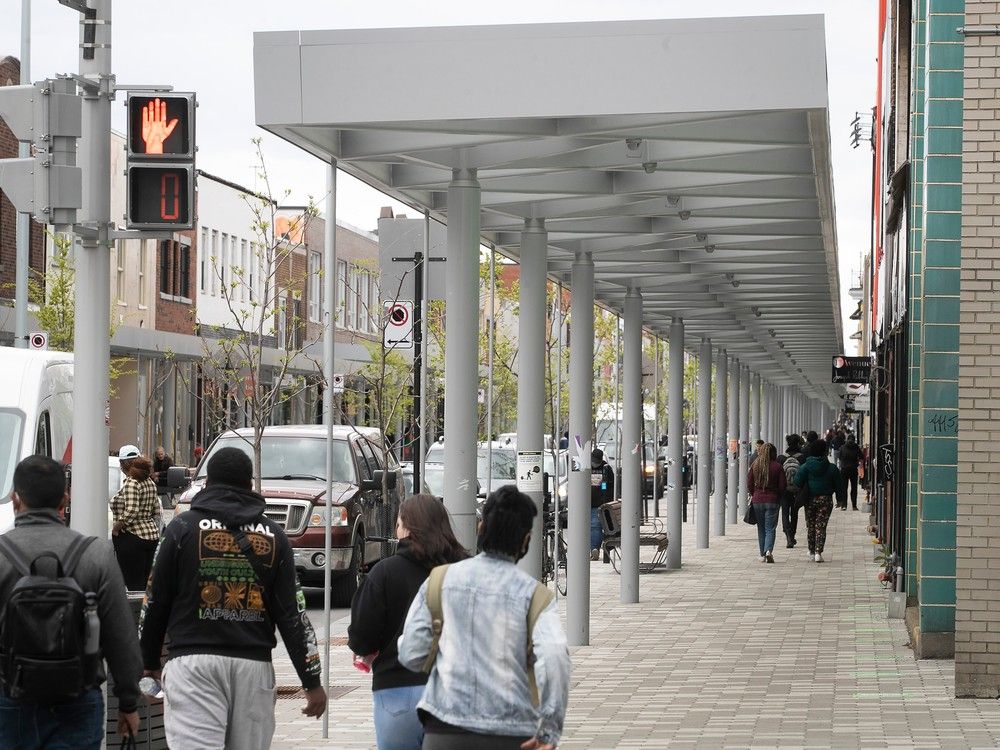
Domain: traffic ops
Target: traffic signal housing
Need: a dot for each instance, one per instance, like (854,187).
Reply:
(161,154)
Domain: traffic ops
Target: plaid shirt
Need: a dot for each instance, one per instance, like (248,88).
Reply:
(137,509)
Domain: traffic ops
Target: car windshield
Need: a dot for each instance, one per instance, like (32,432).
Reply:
(434,478)
(504,466)
(11,423)
(289,457)
(435,455)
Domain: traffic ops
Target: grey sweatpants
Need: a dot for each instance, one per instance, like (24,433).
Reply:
(218,703)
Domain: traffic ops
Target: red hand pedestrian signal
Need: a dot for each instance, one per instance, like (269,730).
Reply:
(155,128)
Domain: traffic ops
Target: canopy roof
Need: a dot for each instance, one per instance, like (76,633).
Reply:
(690,157)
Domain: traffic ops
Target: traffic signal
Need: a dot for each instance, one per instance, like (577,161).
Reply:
(160,171)
(48,184)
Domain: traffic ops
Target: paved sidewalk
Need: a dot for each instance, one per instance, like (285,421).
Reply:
(731,653)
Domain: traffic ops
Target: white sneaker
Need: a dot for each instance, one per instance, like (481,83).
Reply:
(819,557)
(761,558)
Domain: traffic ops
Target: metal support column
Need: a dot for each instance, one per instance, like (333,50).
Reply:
(732,446)
(92,288)
(756,433)
(675,442)
(765,412)
(581,430)
(531,374)
(631,439)
(22,246)
(461,357)
(721,398)
(745,442)
(704,442)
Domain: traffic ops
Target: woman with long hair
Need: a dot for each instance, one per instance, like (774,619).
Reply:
(379,609)
(766,484)
(824,482)
(137,517)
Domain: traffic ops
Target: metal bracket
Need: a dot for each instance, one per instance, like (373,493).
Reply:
(138,234)
(87,84)
(80,6)
(993,30)
(143,87)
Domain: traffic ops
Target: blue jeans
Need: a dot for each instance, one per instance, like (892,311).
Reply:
(76,725)
(767,522)
(596,532)
(397,726)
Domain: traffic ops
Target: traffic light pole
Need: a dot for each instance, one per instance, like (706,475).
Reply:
(22,249)
(92,325)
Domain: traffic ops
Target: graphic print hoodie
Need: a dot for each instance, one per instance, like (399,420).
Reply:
(205,596)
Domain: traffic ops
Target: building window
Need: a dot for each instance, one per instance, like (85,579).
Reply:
(143,257)
(244,271)
(351,298)
(175,267)
(120,272)
(214,264)
(314,286)
(282,322)
(364,298)
(203,251)
(341,290)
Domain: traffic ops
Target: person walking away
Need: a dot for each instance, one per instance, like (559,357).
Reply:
(602,490)
(137,517)
(837,443)
(379,609)
(790,497)
(850,458)
(823,479)
(223,578)
(766,485)
(495,650)
(62,706)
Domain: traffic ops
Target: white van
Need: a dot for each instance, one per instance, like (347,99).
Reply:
(36,413)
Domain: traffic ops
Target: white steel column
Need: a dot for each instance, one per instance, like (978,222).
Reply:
(704,442)
(745,442)
(719,493)
(675,442)
(581,430)
(461,355)
(755,424)
(631,438)
(531,373)
(732,447)
(766,405)
(22,246)
(92,261)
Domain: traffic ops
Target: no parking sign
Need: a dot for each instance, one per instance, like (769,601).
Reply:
(399,325)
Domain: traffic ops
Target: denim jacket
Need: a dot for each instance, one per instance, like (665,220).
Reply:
(479,680)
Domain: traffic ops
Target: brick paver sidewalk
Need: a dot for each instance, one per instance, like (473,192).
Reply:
(731,653)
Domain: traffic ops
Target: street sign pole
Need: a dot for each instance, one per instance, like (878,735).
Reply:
(23,244)
(417,422)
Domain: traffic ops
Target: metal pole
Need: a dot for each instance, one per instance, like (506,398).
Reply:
(744,438)
(618,407)
(92,287)
(416,427)
(632,479)
(704,441)
(22,250)
(421,458)
(531,377)
(329,367)
(732,448)
(719,495)
(557,429)
(656,427)
(490,332)
(581,430)
(461,415)
(675,442)
(755,425)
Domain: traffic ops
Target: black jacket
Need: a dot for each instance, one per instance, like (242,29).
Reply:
(850,456)
(38,531)
(602,485)
(379,611)
(204,594)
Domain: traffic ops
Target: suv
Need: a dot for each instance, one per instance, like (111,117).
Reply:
(293,483)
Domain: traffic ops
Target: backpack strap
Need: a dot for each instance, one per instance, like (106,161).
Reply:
(71,558)
(435,581)
(14,555)
(540,599)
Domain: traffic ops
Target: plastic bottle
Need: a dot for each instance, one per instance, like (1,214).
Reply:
(92,625)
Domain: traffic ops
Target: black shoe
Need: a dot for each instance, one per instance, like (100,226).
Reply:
(791,542)
(769,558)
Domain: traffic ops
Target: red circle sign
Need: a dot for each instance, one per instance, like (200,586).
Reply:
(399,315)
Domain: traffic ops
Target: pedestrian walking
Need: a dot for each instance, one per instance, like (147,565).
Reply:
(766,485)
(60,624)
(823,480)
(602,490)
(839,439)
(137,518)
(490,638)
(379,610)
(223,578)
(850,458)
(790,505)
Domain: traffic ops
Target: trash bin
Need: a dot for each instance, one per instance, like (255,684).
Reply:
(151,734)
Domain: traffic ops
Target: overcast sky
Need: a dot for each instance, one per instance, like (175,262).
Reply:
(206,46)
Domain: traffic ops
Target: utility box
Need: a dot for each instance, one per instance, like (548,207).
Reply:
(897,605)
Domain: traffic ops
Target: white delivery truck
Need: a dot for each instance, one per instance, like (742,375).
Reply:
(36,413)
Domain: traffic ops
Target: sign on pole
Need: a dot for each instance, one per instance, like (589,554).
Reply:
(529,471)
(851,369)
(399,325)
(38,340)
(338,382)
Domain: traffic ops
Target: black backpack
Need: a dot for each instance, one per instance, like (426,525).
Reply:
(43,629)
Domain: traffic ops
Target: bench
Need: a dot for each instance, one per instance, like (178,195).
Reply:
(611,522)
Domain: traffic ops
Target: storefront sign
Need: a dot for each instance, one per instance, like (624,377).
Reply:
(851,369)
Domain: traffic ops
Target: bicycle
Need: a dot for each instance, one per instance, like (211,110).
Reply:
(554,565)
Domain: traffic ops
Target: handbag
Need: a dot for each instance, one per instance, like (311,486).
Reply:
(750,517)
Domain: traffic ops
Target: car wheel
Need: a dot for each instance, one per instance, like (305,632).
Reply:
(344,586)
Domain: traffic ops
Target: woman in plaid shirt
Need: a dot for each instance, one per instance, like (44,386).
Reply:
(137,519)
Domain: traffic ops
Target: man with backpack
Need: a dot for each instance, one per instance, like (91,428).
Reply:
(223,578)
(489,635)
(850,457)
(63,612)
(790,503)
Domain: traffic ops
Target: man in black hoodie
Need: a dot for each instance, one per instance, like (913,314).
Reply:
(223,578)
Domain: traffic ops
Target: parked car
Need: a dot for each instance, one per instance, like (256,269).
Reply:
(293,482)
(648,468)
(502,471)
